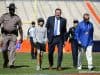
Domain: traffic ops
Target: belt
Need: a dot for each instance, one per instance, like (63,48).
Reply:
(56,36)
(9,33)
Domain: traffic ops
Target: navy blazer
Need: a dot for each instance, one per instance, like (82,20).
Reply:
(50,28)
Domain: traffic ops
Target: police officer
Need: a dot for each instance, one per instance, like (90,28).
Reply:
(11,25)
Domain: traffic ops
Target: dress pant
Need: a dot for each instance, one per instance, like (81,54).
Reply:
(57,40)
(74,46)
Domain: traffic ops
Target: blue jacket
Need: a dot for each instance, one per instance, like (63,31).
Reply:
(84,33)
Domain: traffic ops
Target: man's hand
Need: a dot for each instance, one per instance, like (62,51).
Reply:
(64,44)
(1,43)
(79,42)
(21,40)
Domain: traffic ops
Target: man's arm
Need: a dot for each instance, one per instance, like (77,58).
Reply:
(45,35)
(1,21)
(65,30)
(28,32)
(69,34)
(20,31)
(48,29)
(48,23)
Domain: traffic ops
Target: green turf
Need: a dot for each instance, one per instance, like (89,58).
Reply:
(25,65)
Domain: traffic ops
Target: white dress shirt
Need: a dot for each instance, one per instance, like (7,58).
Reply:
(57,27)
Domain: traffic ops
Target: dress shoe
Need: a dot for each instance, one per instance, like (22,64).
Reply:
(74,66)
(5,66)
(50,68)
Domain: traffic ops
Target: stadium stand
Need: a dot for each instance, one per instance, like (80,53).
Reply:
(30,10)
(96,5)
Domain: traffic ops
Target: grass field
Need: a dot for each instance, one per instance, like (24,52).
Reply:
(26,66)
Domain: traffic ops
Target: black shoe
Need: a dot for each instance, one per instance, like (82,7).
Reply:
(74,66)
(12,67)
(5,66)
(34,57)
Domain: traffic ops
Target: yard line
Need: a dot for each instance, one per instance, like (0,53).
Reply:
(89,71)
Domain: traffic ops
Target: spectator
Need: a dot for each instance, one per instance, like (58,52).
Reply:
(31,34)
(41,38)
(74,44)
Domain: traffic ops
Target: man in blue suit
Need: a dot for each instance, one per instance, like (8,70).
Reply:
(84,36)
(56,29)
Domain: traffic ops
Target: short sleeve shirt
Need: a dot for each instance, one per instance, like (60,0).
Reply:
(10,23)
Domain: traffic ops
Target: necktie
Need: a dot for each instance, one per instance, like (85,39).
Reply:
(56,27)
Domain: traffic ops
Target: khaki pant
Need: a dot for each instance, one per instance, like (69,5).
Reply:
(9,48)
(0,41)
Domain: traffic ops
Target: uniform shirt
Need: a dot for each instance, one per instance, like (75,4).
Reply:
(84,33)
(10,23)
(41,35)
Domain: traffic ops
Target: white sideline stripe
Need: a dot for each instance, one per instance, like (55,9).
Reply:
(89,71)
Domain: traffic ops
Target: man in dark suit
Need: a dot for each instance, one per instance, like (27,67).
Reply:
(56,29)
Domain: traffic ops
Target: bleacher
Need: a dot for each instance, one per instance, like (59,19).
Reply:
(30,10)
